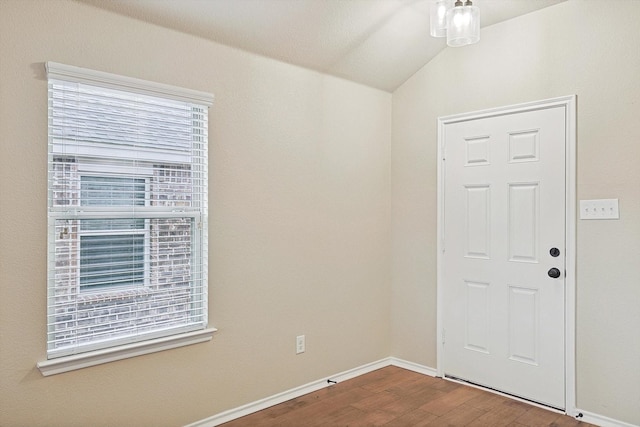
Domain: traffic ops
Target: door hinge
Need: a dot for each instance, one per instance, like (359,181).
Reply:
(444,332)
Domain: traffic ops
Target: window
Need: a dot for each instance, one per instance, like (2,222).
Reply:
(127,242)
(112,251)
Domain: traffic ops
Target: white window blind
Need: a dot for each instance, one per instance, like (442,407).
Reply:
(127,208)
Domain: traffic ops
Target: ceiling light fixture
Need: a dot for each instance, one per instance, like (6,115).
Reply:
(459,22)
(438,17)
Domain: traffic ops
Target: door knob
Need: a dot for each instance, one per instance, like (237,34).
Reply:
(554,273)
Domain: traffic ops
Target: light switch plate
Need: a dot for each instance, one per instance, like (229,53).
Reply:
(599,209)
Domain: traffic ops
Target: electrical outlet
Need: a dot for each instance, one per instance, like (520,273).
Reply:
(300,344)
(599,209)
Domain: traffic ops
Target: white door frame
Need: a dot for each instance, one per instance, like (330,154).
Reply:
(569,102)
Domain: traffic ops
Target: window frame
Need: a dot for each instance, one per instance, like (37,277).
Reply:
(153,343)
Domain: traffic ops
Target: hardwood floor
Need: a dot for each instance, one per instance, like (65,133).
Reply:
(396,397)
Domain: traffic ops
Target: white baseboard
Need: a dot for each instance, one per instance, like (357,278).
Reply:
(600,420)
(421,369)
(276,399)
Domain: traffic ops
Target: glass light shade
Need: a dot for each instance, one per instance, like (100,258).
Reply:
(438,17)
(463,25)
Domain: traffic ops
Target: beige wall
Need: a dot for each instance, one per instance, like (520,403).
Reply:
(589,48)
(304,172)
(299,232)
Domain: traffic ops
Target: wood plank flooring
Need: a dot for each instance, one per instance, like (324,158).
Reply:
(396,397)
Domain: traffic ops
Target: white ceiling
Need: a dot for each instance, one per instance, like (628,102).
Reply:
(379,43)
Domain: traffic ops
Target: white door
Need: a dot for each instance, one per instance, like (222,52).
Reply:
(503,235)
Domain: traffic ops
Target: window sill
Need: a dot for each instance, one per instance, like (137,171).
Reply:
(92,358)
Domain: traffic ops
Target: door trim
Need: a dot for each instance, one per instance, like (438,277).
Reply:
(569,103)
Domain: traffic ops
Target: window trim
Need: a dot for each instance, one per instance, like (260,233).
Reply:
(60,364)
(77,74)
(112,354)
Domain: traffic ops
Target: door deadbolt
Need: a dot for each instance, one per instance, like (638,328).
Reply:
(554,252)
(554,273)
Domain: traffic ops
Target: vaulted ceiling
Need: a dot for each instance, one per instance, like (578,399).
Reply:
(379,43)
